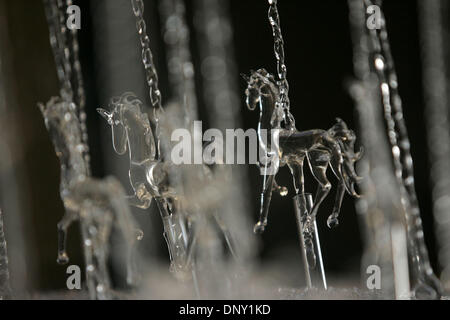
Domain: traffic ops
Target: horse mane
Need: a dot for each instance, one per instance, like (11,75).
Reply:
(130,101)
(264,76)
(345,138)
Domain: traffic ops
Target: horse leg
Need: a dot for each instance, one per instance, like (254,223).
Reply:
(266,196)
(333,220)
(299,180)
(282,190)
(63,225)
(319,170)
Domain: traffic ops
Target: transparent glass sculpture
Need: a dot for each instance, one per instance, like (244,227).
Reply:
(321,149)
(97,204)
(149,177)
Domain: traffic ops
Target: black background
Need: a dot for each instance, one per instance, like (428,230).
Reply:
(319,61)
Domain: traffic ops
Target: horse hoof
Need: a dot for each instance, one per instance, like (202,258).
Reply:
(259,228)
(63,258)
(283,191)
(332,222)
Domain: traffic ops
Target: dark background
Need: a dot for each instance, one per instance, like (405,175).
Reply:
(319,60)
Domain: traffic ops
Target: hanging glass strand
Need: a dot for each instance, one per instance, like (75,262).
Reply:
(284,102)
(57,30)
(65,46)
(214,35)
(5,290)
(181,69)
(437,119)
(380,207)
(218,70)
(400,147)
(176,37)
(360,41)
(150,70)
(80,97)
(64,38)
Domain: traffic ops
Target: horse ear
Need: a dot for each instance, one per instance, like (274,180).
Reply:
(105,114)
(341,124)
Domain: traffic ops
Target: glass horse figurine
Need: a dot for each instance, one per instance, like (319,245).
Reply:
(97,204)
(151,178)
(321,148)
